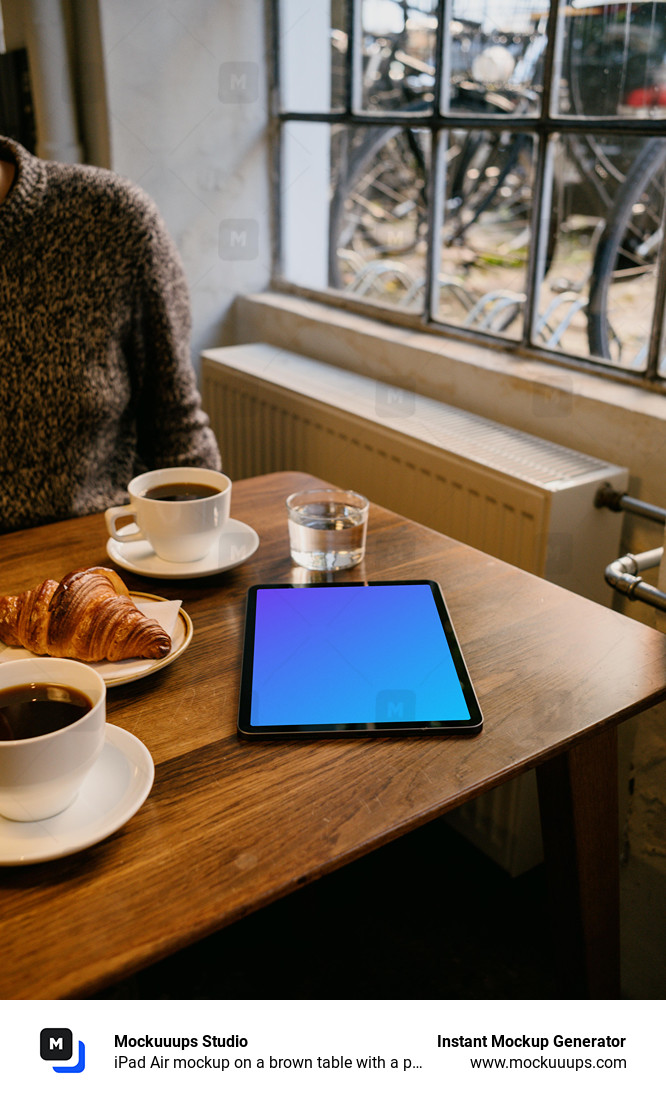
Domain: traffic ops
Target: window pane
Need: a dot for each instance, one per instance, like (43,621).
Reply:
(364,212)
(623,280)
(397,39)
(495,53)
(598,291)
(304,190)
(379,214)
(612,59)
(312,45)
(485,231)
(573,220)
(339,52)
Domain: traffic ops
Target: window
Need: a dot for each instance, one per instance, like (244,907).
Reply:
(492,168)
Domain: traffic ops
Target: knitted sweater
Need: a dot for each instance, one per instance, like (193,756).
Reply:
(96,380)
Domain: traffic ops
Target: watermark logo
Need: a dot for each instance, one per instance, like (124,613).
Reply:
(393,401)
(552,403)
(238,82)
(560,559)
(558,716)
(56,1044)
(395,705)
(239,239)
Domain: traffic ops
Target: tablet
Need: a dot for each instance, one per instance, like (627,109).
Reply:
(348,659)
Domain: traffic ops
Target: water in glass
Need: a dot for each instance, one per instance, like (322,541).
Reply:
(327,535)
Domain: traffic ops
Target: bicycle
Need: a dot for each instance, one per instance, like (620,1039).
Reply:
(382,198)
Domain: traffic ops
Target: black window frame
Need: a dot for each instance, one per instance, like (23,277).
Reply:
(543,126)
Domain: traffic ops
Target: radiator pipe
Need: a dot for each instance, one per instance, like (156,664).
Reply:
(623,575)
(608,497)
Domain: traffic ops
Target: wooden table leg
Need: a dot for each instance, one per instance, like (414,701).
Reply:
(578,800)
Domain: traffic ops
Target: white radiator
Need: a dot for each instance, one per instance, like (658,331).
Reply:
(510,494)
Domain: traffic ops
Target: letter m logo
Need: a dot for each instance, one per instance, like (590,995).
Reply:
(395,705)
(55,1044)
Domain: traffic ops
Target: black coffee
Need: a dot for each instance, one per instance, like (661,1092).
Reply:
(182,490)
(31,710)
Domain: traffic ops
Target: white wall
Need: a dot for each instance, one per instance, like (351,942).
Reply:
(186,85)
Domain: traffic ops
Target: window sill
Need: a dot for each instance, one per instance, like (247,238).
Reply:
(611,420)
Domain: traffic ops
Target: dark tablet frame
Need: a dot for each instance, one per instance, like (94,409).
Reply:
(473,725)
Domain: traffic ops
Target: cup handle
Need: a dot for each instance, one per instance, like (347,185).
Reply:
(113,514)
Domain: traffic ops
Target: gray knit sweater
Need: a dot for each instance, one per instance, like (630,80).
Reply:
(96,380)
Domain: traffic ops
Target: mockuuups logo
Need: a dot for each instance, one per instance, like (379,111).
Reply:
(56,1044)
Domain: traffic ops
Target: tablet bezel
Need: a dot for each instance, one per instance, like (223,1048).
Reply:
(246,729)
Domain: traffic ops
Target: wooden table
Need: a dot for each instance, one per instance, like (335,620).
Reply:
(231,825)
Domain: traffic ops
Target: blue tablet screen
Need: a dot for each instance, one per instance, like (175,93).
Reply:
(348,655)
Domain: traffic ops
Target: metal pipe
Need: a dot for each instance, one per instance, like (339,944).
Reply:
(623,574)
(608,497)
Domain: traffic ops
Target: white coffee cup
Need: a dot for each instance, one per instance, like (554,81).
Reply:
(41,776)
(177,530)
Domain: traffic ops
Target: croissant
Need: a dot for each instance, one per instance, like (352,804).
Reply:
(87,616)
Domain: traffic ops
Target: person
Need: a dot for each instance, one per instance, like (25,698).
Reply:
(96,378)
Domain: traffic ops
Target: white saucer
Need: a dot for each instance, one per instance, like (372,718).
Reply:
(116,786)
(237,543)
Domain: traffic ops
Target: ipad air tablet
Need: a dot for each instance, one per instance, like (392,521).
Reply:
(350,659)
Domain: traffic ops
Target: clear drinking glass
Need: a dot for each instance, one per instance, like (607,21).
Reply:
(327,528)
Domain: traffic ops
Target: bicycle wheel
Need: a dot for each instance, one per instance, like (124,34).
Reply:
(486,169)
(379,207)
(629,243)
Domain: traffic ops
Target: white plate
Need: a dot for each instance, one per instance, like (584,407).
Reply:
(116,786)
(237,543)
(123,672)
